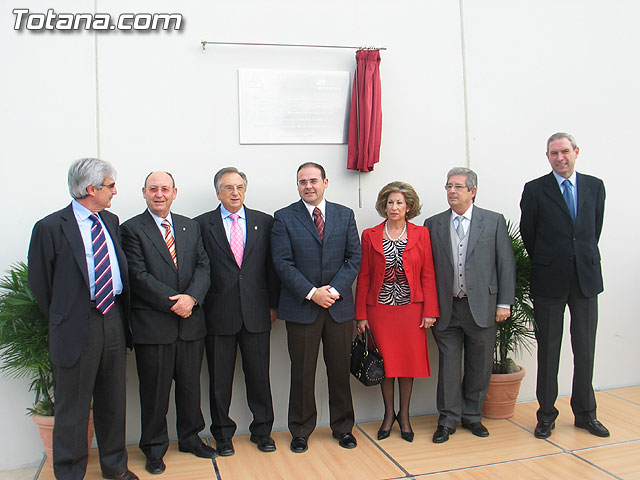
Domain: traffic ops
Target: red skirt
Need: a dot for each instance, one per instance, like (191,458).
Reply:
(401,341)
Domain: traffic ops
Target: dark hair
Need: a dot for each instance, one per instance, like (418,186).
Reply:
(315,165)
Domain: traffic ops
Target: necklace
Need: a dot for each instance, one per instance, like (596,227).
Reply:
(386,230)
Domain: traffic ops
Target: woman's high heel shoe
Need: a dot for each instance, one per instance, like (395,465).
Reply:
(406,436)
(382,434)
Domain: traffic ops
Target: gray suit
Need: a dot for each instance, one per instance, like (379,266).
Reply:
(469,323)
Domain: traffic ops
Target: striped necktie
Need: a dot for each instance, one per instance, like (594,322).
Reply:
(319,221)
(170,241)
(103,281)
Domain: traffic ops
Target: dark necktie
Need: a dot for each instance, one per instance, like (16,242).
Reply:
(319,221)
(568,197)
(103,282)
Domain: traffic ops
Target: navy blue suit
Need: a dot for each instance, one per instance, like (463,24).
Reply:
(566,271)
(303,261)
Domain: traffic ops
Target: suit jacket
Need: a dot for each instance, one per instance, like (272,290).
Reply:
(490,267)
(417,261)
(552,240)
(302,261)
(59,281)
(239,295)
(155,278)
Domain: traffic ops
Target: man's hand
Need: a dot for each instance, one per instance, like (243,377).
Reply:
(502,314)
(273,312)
(323,297)
(183,306)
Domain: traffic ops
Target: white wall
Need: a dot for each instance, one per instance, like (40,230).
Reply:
(154,101)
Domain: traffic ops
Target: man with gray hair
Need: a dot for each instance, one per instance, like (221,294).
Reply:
(475,278)
(561,221)
(239,308)
(78,276)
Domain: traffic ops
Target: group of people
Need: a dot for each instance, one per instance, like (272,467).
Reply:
(173,287)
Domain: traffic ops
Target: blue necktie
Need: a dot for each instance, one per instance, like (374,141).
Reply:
(568,197)
(103,281)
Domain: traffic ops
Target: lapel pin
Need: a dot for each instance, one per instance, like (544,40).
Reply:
(184,229)
(255,227)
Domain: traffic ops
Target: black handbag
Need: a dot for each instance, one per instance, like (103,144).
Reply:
(367,365)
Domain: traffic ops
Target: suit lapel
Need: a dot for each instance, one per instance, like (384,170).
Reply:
(302,214)
(217,231)
(475,229)
(71,231)
(583,192)
(151,230)
(553,191)
(443,233)
(252,231)
(180,233)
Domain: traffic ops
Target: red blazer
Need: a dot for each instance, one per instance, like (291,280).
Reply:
(418,266)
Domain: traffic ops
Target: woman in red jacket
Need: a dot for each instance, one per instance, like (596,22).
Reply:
(396,297)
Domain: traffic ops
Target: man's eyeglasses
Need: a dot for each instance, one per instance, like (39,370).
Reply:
(231,188)
(313,181)
(457,188)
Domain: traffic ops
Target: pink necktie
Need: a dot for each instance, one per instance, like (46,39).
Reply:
(236,241)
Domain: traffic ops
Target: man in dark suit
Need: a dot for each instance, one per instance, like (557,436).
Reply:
(560,225)
(316,254)
(240,307)
(169,272)
(78,276)
(475,277)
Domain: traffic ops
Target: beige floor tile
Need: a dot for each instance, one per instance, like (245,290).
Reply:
(553,466)
(621,417)
(325,460)
(505,442)
(621,460)
(19,474)
(180,466)
(628,393)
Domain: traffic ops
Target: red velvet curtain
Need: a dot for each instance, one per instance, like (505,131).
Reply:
(365,122)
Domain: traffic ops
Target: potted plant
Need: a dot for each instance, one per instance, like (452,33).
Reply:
(24,348)
(512,335)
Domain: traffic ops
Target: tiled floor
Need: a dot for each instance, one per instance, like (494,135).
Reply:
(510,451)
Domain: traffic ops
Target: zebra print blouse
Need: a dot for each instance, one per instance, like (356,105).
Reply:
(395,287)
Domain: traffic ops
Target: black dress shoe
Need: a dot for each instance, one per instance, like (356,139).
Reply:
(265,443)
(345,440)
(543,429)
(155,466)
(201,450)
(126,475)
(594,427)
(382,434)
(477,428)
(442,433)
(298,444)
(225,447)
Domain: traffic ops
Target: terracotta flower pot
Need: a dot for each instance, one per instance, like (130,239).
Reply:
(45,424)
(502,394)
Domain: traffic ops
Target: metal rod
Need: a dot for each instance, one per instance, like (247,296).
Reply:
(205,43)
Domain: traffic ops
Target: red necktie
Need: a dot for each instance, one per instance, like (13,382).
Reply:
(319,221)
